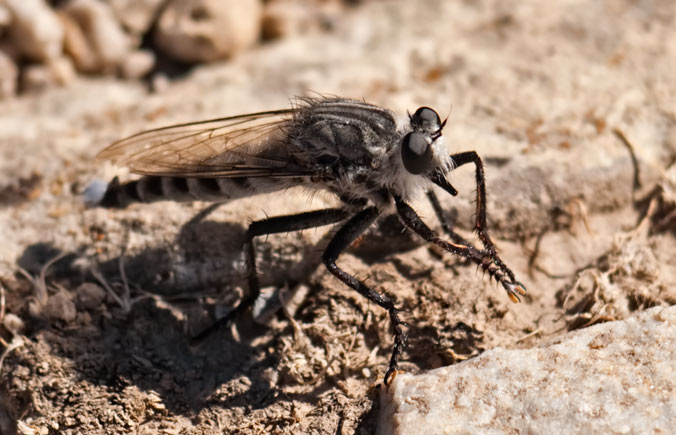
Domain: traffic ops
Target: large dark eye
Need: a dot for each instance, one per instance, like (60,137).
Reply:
(416,153)
(426,119)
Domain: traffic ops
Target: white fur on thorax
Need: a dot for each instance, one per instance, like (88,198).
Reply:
(394,175)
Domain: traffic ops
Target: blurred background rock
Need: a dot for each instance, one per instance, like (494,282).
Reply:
(48,43)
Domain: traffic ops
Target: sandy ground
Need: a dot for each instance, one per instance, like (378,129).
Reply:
(543,91)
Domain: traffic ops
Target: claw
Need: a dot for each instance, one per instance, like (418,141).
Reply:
(390,375)
(514,298)
(514,290)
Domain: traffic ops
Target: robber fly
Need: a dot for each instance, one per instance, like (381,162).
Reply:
(374,161)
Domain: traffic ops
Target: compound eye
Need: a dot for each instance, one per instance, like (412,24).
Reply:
(416,153)
(426,119)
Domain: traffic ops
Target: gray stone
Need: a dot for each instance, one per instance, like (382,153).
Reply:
(97,42)
(616,377)
(9,74)
(207,30)
(35,29)
(13,323)
(90,296)
(60,306)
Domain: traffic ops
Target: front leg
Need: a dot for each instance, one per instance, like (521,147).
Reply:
(480,226)
(482,258)
(480,221)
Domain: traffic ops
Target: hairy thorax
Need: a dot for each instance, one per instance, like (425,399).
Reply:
(356,148)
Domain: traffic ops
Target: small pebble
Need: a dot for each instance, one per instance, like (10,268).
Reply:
(40,76)
(60,307)
(137,64)
(136,15)
(13,323)
(5,17)
(159,83)
(89,296)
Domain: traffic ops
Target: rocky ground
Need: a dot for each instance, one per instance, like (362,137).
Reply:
(571,104)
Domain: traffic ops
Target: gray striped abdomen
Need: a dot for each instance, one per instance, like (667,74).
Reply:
(153,188)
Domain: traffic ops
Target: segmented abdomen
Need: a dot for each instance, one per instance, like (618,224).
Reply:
(154,188)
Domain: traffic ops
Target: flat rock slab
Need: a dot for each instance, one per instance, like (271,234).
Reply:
(616,377)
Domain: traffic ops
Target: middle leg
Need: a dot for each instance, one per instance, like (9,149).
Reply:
(341,240)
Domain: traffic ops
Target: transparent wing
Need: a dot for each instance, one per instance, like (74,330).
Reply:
(253,145)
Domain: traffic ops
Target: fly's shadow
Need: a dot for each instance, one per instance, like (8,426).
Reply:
(144,341)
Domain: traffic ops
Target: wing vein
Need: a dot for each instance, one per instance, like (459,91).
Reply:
(244,145)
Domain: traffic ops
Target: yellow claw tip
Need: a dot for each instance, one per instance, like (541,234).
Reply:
(514,297)
(390,377)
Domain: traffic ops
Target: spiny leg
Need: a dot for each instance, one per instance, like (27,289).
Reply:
(480,225)
(273,225)
(482,258)
(487,259)
(341,240)
(480,218)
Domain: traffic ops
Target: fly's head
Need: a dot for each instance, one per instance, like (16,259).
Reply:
(422,149)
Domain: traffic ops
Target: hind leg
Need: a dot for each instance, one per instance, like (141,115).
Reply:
(273,225)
